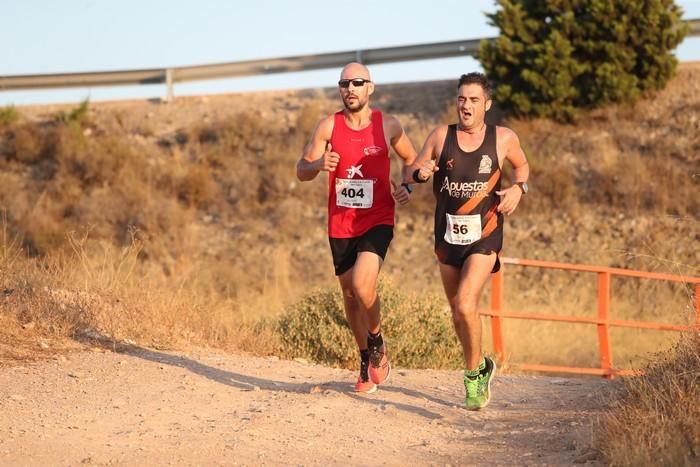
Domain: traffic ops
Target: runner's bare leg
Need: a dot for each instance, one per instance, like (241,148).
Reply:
(357,318)
(359,285)
(463,289)
(364,279)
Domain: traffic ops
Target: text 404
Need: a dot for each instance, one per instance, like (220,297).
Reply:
(353,193)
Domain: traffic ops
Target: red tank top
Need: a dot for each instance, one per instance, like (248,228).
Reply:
(359,190)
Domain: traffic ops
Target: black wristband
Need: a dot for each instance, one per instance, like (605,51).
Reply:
(416,178)
(408,187)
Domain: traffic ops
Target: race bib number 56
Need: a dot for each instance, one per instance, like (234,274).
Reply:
(351,193)
(463,230)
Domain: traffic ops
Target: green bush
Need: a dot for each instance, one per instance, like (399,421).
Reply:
(555,57)
(418,331)
(79,116)
(8,115)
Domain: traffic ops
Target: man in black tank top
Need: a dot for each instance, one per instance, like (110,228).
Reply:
(465,160)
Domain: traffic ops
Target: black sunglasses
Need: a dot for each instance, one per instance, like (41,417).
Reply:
(357,82)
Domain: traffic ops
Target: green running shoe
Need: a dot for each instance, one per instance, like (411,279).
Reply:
(479,387)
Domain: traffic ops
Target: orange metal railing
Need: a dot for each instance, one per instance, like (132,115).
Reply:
(602,320)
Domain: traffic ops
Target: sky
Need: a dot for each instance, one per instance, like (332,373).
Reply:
(41,36)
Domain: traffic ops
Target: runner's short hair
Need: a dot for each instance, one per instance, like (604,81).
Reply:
(477,78)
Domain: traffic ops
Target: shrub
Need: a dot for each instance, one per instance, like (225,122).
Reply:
(23,144)
(315,328)
(93,162)
(79,116)
(418,330)
(555,57)
(8,115)
(197,186)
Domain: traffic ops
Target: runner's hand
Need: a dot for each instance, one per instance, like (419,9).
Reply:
(400,194)
(427,169)
(510,197)
(330,159)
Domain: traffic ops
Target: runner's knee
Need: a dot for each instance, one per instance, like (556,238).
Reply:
(365,294)
(464,308)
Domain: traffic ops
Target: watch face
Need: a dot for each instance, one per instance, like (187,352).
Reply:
(523,186)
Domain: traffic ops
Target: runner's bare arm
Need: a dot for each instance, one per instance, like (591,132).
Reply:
(509,149)
(401,143)
(403,147)
(318,154)
(426,163)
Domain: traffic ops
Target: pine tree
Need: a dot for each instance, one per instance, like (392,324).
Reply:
(555,57)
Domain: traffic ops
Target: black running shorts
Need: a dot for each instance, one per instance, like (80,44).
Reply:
(457,256)
(345,250)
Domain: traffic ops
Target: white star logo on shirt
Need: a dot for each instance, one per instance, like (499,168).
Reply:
(352,171)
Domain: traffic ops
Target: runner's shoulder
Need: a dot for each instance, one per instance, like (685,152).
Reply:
(391,120)
(324,128)
(392,125)
(439,133)
(504,133)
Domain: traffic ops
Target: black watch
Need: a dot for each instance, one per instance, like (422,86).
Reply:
(408,187)
(416,177)
(523,187)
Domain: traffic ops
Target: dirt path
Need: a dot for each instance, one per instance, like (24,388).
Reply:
(148,407)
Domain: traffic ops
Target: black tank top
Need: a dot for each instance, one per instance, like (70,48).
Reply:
(465,190)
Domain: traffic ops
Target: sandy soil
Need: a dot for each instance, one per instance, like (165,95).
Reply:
(148,407)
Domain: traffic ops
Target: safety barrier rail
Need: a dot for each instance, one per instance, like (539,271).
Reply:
(602,320)
(171,75)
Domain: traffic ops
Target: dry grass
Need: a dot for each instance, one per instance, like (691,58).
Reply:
(111,295)
(653,419)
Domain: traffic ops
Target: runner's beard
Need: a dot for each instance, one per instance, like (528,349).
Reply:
(354,106)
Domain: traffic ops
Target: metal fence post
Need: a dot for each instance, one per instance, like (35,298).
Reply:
(603,329)
(697,307)
(497,307)
(169,92)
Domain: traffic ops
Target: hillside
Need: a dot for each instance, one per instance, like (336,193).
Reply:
(203,191)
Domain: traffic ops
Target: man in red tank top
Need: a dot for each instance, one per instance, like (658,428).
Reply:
(352,145)
(467,162)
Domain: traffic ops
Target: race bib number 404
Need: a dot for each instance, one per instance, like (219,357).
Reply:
(463,230)
(351,193)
